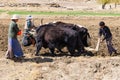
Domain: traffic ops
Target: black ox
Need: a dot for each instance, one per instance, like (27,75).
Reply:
(82,31)
(60,34)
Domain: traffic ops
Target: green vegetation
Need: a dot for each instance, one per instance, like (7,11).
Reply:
(65,13)
(62,13)
(2,11)
(105,2)
(116,2)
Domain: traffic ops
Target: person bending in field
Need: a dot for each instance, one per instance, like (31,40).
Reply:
(28,29)
(105,31)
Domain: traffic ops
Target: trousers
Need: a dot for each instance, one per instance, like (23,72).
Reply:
(110,47)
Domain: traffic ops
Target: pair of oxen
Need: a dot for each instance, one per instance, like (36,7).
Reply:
(59,35)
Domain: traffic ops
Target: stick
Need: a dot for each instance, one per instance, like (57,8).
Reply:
(98,44)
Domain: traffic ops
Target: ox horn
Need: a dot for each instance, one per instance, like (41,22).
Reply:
(92,49)
(42,21)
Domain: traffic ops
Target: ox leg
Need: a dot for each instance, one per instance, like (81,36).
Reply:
(80,46)
(71,45)
(38,48)
(71,50)
(60,50)
(81,50)
(52,51)
(51,47)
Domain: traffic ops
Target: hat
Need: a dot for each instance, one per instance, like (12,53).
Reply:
(101,23)
(15,16)
(29,17)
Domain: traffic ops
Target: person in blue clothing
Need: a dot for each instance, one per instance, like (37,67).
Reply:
(28,36)
(14,47)
(29,23)
(105,31)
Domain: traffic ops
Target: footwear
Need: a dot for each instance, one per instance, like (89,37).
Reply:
(110,54)
(115,52)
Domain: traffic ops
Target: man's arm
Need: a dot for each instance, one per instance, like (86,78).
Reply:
(100,33)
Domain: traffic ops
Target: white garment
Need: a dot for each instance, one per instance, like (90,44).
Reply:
(25,25)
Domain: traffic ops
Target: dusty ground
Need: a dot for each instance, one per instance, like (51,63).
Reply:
(84,5)
(62,67)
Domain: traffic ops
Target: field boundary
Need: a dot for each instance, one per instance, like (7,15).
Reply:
(63,13)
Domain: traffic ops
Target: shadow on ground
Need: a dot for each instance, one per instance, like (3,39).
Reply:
(35,59)
(87,53)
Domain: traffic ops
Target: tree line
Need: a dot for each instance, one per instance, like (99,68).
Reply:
(104,2)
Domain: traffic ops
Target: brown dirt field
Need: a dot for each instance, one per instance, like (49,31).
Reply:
(62,67)
(83,5)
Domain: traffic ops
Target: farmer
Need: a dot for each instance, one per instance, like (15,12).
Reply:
(29,23)
(28,29)
(105,31)
(14,48)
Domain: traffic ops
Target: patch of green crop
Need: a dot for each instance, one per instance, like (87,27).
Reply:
(70,13)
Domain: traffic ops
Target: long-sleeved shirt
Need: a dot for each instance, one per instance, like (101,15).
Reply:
(13,30)
(29,24)
(105,31)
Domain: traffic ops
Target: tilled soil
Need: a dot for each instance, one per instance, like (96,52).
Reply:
(63,67)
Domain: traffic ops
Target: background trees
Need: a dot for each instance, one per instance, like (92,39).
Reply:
(104,2)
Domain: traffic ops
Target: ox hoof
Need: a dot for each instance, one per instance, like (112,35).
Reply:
(72,54)
(53,55)
(37,55)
